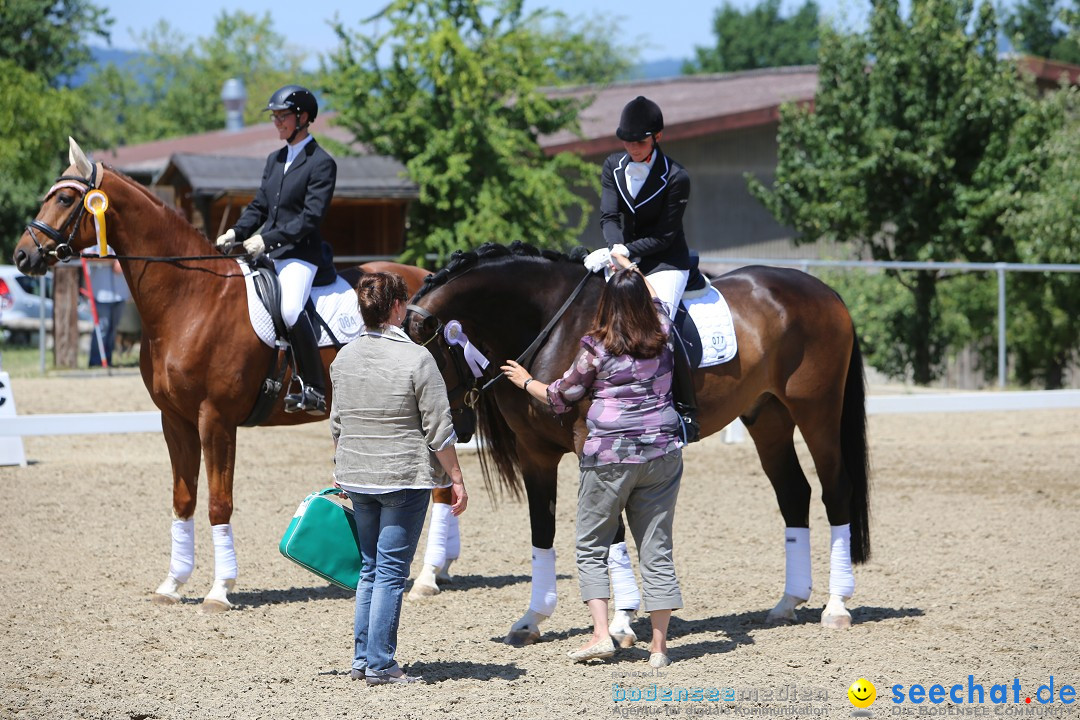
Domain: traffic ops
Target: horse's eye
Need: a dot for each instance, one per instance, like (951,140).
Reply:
(65,199)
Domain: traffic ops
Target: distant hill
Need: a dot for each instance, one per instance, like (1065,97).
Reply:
(668,67)
(103,56)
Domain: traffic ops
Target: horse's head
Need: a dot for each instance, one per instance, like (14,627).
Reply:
(425,328)
(63,226)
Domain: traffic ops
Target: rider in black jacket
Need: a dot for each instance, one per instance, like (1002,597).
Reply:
(283,221)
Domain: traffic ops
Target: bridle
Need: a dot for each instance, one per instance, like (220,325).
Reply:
(63,250)
(466,389)
(86,187)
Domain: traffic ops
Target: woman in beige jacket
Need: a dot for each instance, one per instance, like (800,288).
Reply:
(394,442)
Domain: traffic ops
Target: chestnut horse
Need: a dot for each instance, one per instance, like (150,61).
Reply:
(200,358)
(798,365)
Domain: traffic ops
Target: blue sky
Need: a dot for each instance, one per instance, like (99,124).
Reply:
(667,29)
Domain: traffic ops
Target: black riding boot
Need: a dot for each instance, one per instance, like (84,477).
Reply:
(682,390)
(312,395)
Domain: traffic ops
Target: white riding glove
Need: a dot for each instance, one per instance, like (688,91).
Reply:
(620,249)
(254,246)
(597,260)
(227,239)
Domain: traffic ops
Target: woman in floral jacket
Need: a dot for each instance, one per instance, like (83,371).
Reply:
(632,459)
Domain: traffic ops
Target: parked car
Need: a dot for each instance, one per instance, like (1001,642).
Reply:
(20,306)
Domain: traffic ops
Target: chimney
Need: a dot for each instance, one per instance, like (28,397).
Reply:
(234,95)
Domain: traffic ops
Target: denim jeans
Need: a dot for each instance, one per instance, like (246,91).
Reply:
(109,314)
(388,528)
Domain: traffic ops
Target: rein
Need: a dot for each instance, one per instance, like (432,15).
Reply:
(472,395)
(63,250)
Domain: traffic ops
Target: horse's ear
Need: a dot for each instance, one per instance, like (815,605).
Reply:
(78,158)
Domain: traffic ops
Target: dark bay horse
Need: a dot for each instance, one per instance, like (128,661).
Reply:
(200,358)
(798,365)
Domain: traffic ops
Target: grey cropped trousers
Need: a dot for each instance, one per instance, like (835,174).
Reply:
(647,492)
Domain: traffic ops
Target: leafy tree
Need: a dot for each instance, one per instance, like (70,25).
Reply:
(462,102)
(1045,28)
(912,159)
(759,38)
(48,37)
(1044,327)
(41,43)
(174,87)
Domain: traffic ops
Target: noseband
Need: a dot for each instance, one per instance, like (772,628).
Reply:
(63,250)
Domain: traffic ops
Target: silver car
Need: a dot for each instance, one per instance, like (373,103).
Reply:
(20,306)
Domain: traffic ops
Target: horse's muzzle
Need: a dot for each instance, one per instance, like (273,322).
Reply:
(31,262)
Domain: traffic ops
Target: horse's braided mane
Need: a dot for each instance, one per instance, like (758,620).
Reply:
(463,260)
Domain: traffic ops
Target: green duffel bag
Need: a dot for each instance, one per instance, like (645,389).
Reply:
(322,538)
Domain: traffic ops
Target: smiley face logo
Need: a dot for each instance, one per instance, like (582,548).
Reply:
(862,693)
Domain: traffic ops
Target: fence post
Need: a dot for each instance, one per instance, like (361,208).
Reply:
(1001,323)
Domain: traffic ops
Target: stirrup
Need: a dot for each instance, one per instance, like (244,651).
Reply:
(691,429)
(308,400)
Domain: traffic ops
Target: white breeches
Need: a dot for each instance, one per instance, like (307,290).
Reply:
(669,286)
(296,277)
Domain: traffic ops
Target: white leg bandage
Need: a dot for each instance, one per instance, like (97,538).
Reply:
(544,597)
(224,553)
(453,538)
(438,529)
(798,580)
(841,577)
(183,550)
(624,589)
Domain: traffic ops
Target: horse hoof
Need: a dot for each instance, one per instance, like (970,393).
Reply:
(162,599)
(419,592)
(213,607)
(624,640)
(521,638)
(780,618)
(836,622)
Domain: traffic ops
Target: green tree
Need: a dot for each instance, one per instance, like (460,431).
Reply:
(912,158)
(461,101)
(1044,322)
(48,38)
(174,87)
(759,38)
(1046,28)
(42,42)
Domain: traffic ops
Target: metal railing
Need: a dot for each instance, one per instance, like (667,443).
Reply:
(1000,268)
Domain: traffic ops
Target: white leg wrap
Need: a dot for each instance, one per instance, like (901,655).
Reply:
(624,589)
(798,580)
(453,537)
(544,597)
(841,577)
(224,553)
(183,550)
(438,529)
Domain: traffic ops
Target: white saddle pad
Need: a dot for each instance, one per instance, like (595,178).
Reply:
(712,316)
(335,303)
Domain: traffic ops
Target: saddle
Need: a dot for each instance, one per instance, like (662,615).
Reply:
(268,289)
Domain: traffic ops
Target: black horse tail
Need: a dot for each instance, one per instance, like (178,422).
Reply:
(497,449)
(856,454)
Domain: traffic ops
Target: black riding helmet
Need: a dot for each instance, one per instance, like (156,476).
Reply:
(640,118)
(296,98)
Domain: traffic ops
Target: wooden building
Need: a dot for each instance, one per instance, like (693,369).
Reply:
(211,176)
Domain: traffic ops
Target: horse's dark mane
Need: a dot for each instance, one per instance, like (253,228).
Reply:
(463,260)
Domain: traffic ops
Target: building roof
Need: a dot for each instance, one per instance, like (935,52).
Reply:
(252,141)
(693,105)
(368,176)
